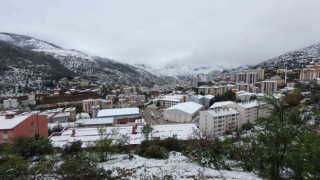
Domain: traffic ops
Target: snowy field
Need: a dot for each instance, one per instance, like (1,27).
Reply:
(176,166)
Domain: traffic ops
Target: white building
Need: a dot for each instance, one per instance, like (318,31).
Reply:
(244,96)
(219,120)
(10,104)
(250,111)
(121,115)
(183,112)
(222,104)
(269,87)
(95,122)
(171,100)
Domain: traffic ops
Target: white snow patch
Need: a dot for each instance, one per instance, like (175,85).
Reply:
(177,166)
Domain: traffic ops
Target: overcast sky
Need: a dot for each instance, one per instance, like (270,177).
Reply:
(224,32)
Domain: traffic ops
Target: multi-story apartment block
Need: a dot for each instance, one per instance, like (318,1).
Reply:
(88,104)
(248,77)
(250,111)
(219,120)
(269,87)
(309,73)
(171,100)
(215,90)
(243,87)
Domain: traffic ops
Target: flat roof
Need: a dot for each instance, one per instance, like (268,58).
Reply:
(188,107)
(118,112)
(88,135)
(251,104)
(222,112)
(95,121)
(221,104)
(11,123)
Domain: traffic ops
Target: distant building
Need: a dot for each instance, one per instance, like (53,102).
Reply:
(269,87)
(61,117)
(249,77)
(121,115)
(205,77)
(219,120)
(309,73)
(207,99)
(171,100)
(199,99)
(244,96)
(12,126)
(10,104)
(95,122)
(183,112)
(215,90)
(88,103)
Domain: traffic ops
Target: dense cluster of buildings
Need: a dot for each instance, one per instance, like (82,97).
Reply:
(187,110)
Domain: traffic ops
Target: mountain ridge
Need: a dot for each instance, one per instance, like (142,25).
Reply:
(76,63)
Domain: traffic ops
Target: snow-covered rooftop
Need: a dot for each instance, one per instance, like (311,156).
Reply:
(198,96)
(87,135)
(209,96)
(171,98)
(118,112)
(64,114)
(221,104)
(189,107)
(11,123)
(95,121)
(251,104)
(222,112)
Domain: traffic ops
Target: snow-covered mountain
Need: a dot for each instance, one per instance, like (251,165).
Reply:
(82,64)
(178,69)
(296,59)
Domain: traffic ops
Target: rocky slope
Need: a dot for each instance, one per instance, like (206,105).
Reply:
(25,53)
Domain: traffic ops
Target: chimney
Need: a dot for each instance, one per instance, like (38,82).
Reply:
(9,116)
(134,129)
(73,132)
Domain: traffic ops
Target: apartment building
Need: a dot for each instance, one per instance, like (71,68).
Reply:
(249,77)
(171,100)
(88,104)
(215,90)
(250,111)
(309,73)
(219,120)
(269,87)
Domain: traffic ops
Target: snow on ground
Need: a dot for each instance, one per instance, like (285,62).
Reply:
(177,166)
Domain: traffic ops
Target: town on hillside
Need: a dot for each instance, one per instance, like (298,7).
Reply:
(214,104)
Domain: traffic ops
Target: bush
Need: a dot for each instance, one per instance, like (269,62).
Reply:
(28,146)
(73,148)
(13,167)
(156,152)
(172,144)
